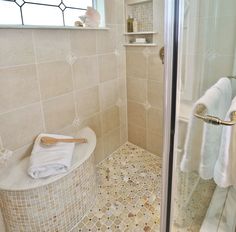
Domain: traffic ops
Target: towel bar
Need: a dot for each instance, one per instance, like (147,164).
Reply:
(200,113)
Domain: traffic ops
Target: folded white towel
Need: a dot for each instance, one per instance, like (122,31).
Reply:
(203,140)
(224,173)
(51,160)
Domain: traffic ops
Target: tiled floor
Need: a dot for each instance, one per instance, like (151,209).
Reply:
(129,193)
(190,217)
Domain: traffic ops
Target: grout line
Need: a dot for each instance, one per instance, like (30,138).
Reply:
(147,102)
(20,108)
(73,78)
(51,61)
(39,86)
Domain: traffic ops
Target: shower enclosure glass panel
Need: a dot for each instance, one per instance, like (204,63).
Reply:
(206,52)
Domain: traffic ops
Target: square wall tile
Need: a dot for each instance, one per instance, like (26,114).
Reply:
(99,151)
(20,127)
(154,143)
(83,43)
(88,102)
(121,64)
(109,93)
(137,90)
(123,134)
(110,119)
(18,87)
(155,120)
(107,67)
(155,94)
(155,68)
(85,72)
(16,47)
(136,114)
(111,141)
(55,79)
(51,45)
(123,115)
(110,9)
(59,112)
(106,40)
(137,135)
(122,89)
(136,64)
(94,123)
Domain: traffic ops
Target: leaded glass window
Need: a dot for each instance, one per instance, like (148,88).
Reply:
(42,12)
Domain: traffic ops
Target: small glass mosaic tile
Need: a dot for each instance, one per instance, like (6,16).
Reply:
(143,12)
(129,190)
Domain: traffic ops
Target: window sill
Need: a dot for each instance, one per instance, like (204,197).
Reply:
(51,27)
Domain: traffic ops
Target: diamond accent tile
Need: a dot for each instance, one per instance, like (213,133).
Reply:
(20,2)
(62,6)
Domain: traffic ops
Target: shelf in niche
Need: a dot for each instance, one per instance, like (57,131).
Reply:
(134,2)
(141,33)
(140,45)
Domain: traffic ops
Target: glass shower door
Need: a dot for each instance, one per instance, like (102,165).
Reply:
(204,41)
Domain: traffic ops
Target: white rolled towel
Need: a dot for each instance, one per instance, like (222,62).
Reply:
(50,160)
(224,172)
(203,140)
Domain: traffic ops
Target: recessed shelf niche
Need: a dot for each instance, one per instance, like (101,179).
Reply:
(142,11)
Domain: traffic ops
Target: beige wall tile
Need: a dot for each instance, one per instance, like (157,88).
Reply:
(120,39)
(94,123)
(154,143)
(123,114)
(155,120)
(136,114)
(99,151)
(96,69)
(110,9)
(155,94)
(136,64)
(107,67)
(121,63)
(120,16)
(83,43)
(110,119)
(88,102)
(16,51)
(155,68)
(86,72)
(137,135)
(122,89)
(20,127)
(59,112)
(55,79)
(109,93)
(18,87)
(143,63)
(137,90)
(123,134)
(51,45)
(106,40)
(111,141)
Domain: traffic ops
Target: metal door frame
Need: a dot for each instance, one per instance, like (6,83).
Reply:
(170,89)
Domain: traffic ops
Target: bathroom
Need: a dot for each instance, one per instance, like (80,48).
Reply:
(130,79)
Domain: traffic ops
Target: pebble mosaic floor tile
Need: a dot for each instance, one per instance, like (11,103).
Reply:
(129,193)
(190,218)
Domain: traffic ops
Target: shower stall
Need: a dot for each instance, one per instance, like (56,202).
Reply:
(59,75)
(200,49)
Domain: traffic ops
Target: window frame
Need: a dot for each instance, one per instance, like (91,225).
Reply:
(97,4)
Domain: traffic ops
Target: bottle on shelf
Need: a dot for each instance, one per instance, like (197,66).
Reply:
(130,22)
(135,25)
